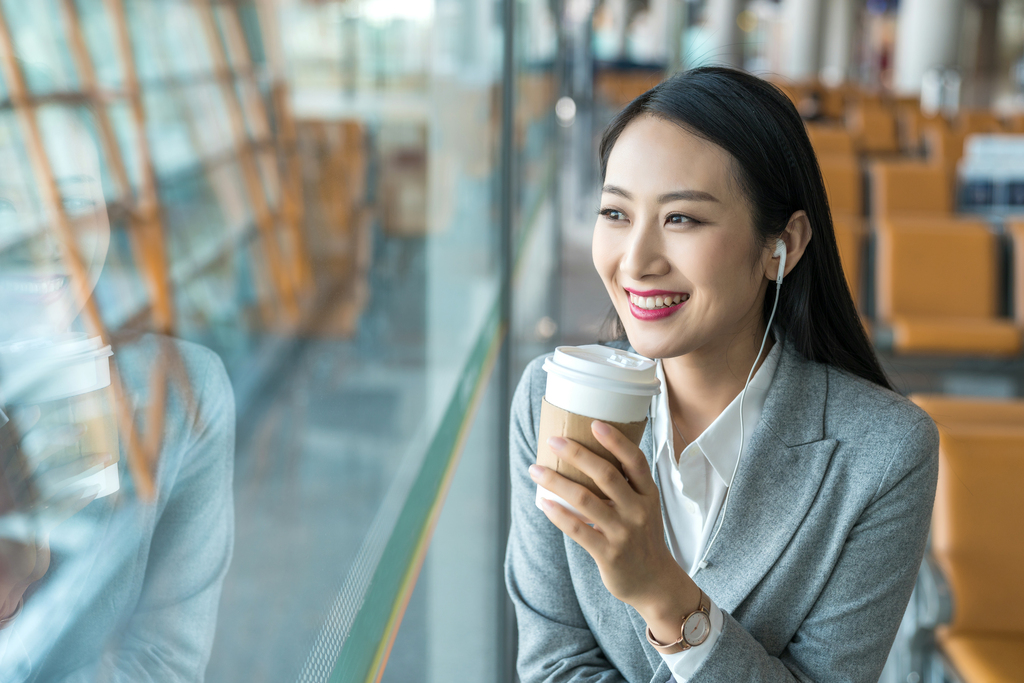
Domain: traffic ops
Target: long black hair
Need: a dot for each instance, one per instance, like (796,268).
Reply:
(757,124)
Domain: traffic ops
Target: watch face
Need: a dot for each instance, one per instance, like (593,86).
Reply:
(696,628)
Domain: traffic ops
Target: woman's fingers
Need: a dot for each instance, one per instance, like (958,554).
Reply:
(64,477)
(606,475)
(591,540)
(40,444)
(634,462)
(577,495)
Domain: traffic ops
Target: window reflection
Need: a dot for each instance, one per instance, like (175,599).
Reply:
(294,208)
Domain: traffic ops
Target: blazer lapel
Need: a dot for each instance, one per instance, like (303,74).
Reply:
(777,480)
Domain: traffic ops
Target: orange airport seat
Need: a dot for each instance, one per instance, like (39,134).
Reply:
(850,239)
(1015,229)
(936,286)
(909,187)
(843,184)
(944,145)
(979,121)
(910,125)
(950,410)
(828,140)
(977,539)
(833,102)
(873,125)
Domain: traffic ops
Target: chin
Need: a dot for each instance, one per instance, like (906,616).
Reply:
(657,346)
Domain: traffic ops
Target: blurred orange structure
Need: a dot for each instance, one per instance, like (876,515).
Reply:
(937,287)
(980,554)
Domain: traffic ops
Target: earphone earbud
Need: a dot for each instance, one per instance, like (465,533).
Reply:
(780,252)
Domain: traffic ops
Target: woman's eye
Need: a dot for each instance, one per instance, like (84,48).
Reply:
(679,219)
(77,206)
(612,214)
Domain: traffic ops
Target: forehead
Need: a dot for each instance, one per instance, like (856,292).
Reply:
(654,156)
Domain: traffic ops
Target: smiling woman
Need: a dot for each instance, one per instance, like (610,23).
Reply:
(32,265)
(778,537)
(96,574)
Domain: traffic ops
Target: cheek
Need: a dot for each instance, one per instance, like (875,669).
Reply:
(719,268)
(604,252)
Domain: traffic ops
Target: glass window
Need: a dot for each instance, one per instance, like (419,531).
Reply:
(255,279)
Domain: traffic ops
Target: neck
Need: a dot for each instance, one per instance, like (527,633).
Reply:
(702,383)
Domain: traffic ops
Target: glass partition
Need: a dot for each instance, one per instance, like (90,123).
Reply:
(256,260)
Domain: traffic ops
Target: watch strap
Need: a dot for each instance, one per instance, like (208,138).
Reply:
(681,645)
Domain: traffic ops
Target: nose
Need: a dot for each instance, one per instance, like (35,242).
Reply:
(645,253)
(45,246)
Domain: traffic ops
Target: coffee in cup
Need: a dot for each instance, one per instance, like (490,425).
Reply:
(587,383)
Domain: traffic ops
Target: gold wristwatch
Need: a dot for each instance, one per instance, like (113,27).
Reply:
(696,629)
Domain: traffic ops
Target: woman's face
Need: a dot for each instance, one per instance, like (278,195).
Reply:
(36,293)
(675,244)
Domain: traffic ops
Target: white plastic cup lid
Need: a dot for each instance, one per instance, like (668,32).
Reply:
(607,368)
(46,370)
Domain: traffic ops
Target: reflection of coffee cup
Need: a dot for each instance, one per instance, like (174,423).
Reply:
(68,381)
(587,383)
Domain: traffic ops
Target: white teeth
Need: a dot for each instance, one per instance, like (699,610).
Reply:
(23,287)
(650,302)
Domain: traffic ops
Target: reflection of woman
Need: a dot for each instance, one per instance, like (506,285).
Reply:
(823,502)
(131,588)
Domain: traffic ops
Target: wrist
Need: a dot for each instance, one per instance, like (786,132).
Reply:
(665,609)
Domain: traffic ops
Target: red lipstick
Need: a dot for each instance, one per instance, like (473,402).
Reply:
(647,314)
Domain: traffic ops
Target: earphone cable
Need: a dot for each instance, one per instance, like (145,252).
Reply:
(725,506)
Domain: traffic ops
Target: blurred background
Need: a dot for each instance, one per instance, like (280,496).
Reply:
(376,212)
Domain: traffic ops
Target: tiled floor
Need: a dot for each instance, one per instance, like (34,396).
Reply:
(314,457)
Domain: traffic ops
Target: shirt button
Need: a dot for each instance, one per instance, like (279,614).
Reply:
(691,507)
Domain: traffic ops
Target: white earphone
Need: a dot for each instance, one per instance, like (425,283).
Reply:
(780,253)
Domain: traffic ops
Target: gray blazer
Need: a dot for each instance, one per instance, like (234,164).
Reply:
(132,592)
(814,565)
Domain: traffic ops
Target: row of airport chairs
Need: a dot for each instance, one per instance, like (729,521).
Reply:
(965,622)
(936,276)
(937,281)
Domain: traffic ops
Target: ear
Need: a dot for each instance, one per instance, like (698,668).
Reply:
(796,235)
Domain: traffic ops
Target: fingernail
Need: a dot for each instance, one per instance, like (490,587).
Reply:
(546,504)
(536,470)
(556,443)
(600,428)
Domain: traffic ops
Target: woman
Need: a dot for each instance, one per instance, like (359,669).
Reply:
(788,546)
(123,589)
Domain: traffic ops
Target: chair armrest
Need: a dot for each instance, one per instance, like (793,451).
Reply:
(915,656)
(932,599)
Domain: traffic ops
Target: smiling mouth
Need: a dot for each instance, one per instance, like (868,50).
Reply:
(652,303)
(33,286)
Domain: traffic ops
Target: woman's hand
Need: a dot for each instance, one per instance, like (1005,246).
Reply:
(26,520)
(627,540)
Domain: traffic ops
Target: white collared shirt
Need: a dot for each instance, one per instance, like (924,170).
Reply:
(694,490)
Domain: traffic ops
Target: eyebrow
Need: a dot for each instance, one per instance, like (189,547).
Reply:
(684,195)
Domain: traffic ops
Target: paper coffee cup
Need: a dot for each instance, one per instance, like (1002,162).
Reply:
(68,380)
(587,383)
